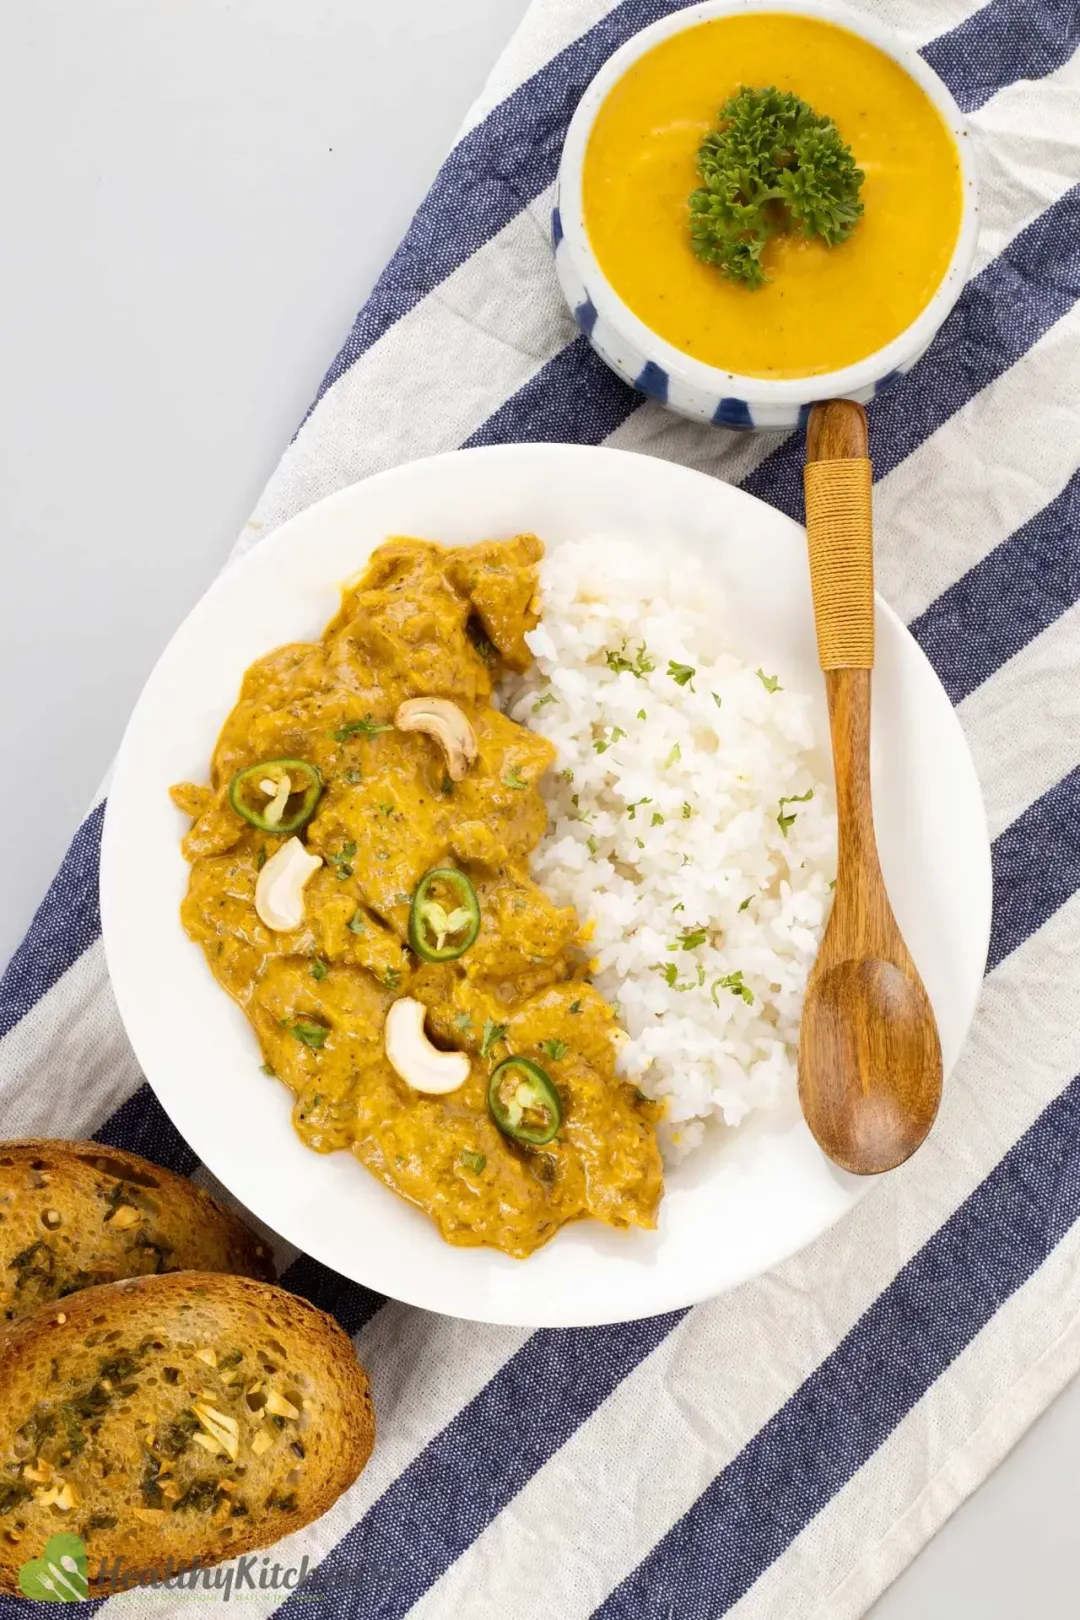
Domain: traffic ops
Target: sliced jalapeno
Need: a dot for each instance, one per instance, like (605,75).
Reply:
(276,795)
(444,918)
(523,1102)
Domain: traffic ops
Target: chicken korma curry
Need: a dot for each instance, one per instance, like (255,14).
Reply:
(360,886)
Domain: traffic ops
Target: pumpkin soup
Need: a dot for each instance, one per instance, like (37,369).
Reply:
(821,306)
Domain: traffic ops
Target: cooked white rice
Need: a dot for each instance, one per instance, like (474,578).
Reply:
(665,827)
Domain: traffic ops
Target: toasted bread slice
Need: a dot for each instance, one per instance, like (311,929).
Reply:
(185,1416)
(75,1214)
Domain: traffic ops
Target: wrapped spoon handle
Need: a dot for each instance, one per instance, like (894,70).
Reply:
(839,532)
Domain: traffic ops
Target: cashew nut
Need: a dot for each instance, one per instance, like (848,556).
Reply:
(279,892)
(445,722)
(420,1064)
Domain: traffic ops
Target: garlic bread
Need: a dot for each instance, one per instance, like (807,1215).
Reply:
(185,1416)
(76,1214)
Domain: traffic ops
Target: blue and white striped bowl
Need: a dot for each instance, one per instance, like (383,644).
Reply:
(656,368)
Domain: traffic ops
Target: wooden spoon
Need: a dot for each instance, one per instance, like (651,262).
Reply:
(869,1053)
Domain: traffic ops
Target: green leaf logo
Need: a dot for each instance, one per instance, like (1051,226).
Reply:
(59,1576)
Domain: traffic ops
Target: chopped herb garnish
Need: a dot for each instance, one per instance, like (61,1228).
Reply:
(542,702)
(632,809)
(391,978)
(308,1034)
(832,885)
(617,734)
(473,1161)
(268,1071)
(771,683)
(717,699)
(575,1006)
(366,728)
(358,923)
(447,786)
(493,1034)
(260,859)
(746,902)
(514,779)
(593,846)
(674,757)
(554,1049)
(640,665)
(640,843)
(783,821)
(669,971)
(463,1021)
(641,715)
(657,819)
(480,640)
(319,969)
(353,776)
(387,809)
(566,774)
(342,861)
(687,812)
(734,983)
(678,906)
(690,939)
(681,674)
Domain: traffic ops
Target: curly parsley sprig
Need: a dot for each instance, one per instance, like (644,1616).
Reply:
(772,165)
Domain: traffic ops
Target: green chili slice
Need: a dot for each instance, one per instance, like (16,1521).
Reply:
(523,1102)
(444,918)
(276,795)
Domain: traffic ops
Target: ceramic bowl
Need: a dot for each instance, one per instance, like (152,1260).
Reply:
(662,372)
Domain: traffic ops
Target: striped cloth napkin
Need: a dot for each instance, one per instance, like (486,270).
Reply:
(783,1451)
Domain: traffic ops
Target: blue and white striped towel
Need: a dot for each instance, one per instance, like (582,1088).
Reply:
(782,1452)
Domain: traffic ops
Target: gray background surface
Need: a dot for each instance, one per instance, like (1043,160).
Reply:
(197,196)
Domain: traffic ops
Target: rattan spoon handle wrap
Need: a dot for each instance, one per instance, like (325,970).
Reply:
(840,535)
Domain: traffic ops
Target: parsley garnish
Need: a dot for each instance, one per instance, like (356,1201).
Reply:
(771,683)
(447,786)
(358,922)
(391,978)
(746,902)
(617,734)
(554,1049)
(308,1034)
(473,1161)
(632,809)
(673,757)
(640,665)
(368,727)
(681,674)
(784,822)
(774,164)
(642,715)
(514,779)
(690,939)
(593,845)
(493,1034)
(267,1070)
(734,983)
(341,860)
(541,702)
(657,819)
(686,811)
(463,1021)
(260,859)
(575,1006)
(717,699)
(319,968)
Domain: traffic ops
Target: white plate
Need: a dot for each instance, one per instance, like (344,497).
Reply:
(730,1212)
